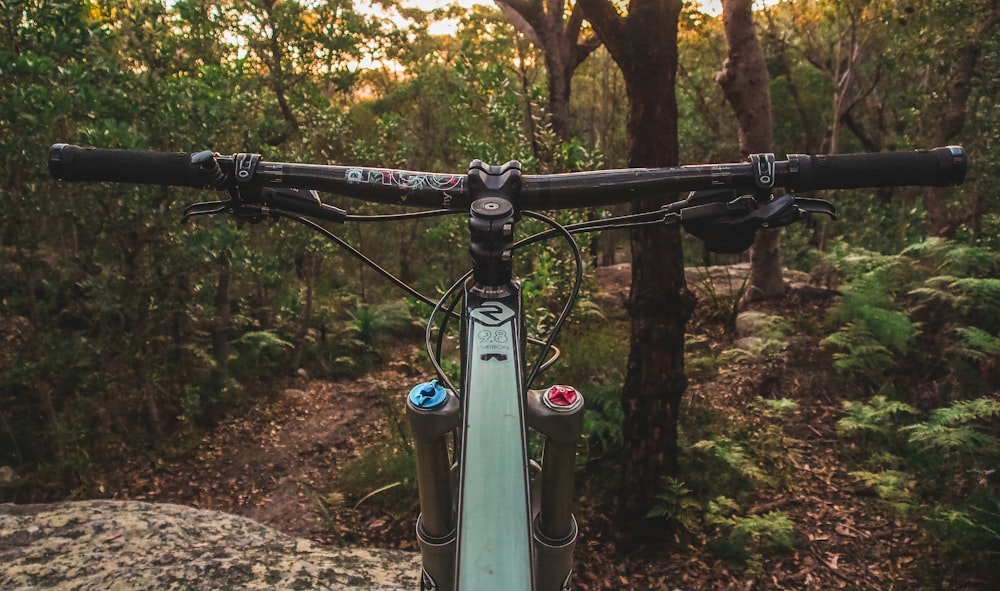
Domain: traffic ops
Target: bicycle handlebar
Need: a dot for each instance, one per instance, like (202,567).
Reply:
(936,167)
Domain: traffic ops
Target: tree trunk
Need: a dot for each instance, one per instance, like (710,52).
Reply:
(220,325)
(644,45)
(560,38)
(746,86)
(309,269)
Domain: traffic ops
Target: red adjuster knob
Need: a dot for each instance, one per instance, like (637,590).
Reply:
(562,398)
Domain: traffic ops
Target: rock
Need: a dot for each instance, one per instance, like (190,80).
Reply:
(295,396)
(750,344)
(756,324)
(136,546)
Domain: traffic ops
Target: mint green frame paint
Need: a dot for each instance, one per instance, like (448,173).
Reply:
(494,513)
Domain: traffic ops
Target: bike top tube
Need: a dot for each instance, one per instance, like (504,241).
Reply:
(936,167)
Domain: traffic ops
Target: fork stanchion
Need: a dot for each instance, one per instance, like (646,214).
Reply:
(432,413)
(556,413)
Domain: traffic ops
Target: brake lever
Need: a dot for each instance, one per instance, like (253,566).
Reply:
(268,202)
(206,208)
(730,226)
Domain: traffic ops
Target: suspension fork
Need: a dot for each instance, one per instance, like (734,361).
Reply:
(503,524)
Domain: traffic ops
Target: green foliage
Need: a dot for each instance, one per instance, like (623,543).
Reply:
(734,458)
(257,354)
(778,407)
(602,423)
(892,486)
(738,537)
(927,455)
(935,467)
(947,430)
(591,361)
(872,331)
(747,538)
(761,335)
(676,504)
(977,345)
(700,362)
(384,477)
(370,321)
(879,416)
(970,527)
(934,305)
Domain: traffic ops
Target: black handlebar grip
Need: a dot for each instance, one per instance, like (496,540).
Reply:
(73,163)
(940,167)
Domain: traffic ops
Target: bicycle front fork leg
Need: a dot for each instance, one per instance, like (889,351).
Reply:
(556,413)
(432,412)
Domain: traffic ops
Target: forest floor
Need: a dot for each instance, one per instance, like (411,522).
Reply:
(284,465)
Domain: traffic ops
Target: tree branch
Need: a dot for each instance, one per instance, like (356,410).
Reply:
(609,25)
(523,16)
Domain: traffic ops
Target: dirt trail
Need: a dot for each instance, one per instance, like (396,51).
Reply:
(276,464)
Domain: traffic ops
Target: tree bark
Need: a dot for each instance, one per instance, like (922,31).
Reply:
(220,325)
(563,44)
(644,45)
(747,87)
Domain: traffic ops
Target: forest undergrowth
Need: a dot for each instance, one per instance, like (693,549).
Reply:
(796,471)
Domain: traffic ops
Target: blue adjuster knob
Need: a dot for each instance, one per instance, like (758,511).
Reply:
(428,395)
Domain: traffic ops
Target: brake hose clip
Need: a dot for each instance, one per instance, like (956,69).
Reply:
(763,170)
(245,166)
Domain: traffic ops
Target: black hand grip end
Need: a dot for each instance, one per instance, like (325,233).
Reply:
(55,160)
(74,163)
(954,158)
(939,167)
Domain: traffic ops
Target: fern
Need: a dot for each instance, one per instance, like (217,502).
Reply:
(951,439)
(971,296)
(677,504)
(892,486)
(859,351)
(958,259)
(369,321)
(935,290)
(777,407)
(602,420)
(747,538)
(976,344)
(771,531)
(734,455)
(947,430)
(880,415)
(873,333)
(965,411)
(974,524)
(262,340)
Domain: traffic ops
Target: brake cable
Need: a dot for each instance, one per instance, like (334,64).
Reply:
(574,293)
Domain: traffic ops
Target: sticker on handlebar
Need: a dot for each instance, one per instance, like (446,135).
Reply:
(405,179)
